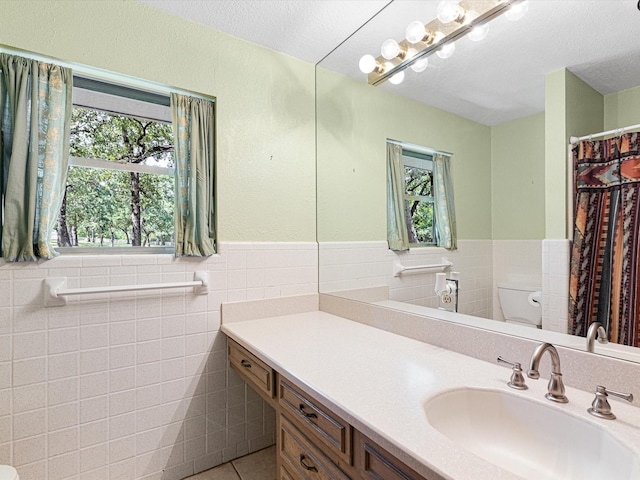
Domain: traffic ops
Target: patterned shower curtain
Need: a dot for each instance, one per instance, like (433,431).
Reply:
(604,283)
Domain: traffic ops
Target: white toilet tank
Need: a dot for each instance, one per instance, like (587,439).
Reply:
(8,473)
(520,303)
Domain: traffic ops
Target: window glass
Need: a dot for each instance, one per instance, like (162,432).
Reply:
(120,187)
(418,195)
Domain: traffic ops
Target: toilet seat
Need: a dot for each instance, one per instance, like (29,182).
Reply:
(8,473)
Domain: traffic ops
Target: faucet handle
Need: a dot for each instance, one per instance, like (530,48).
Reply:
(517,379)
(601,407)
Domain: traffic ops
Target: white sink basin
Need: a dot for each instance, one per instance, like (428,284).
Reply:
(529,438)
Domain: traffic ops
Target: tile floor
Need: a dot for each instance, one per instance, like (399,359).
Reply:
(260,465)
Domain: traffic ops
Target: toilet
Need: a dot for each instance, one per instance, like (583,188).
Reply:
(521,304)
(8,473)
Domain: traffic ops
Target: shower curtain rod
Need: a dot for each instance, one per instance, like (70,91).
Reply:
(620,131)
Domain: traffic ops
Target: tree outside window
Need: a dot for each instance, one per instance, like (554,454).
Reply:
(120,187)
(418,198)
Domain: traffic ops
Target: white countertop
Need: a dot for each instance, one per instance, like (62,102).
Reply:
(380,382)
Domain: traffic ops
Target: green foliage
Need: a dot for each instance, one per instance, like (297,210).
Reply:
(119,138)
(423,222)
(418,181)
(100,202)
(419,217)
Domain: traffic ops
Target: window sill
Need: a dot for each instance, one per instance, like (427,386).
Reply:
(115,250)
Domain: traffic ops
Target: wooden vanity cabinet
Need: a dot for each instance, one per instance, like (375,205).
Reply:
(313,442)
(375,463)
(317,422)
(253,370)
(300,459)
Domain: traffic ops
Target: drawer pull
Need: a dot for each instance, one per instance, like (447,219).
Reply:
(308,415)
(311,468)
(245,363)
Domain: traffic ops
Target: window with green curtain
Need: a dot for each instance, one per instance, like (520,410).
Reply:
(121,132)
(420,207)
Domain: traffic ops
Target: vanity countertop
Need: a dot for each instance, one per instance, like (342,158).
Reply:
(380,382)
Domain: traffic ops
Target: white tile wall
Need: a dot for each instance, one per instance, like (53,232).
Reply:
(134,385)
(515,261)
(351,265)
(555,285)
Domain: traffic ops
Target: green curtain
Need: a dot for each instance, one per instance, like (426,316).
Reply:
(35,115)
(444,207)
(194,136)
(397,235)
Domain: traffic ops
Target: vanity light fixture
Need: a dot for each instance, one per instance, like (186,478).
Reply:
(455,19)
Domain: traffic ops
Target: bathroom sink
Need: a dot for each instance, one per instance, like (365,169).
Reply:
(529,438)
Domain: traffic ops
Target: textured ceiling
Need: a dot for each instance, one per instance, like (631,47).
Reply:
(493,81)
(305,29)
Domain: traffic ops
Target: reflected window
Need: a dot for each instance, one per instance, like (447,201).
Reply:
(418,198)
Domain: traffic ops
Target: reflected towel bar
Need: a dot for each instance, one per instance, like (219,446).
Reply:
(55,291)
(398,268)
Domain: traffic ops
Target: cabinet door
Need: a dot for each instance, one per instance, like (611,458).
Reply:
(375,463)
(317,421)
(252,369)
(301,460)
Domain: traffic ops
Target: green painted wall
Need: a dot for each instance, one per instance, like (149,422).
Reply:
(622,109)
(572,108)
(266,117)
(518,180)
(354,121)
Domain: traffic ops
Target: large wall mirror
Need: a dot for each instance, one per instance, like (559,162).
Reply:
(505,108)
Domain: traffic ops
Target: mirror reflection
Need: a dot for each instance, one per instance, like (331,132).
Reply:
(504,108)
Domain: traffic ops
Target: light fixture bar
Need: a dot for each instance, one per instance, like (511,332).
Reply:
(487,10)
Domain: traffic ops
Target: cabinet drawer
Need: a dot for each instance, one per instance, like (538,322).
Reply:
(374,462)
(327,427)
(251,368)
(301,460)
(285,475)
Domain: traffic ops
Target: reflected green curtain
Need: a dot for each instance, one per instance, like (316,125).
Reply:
(397,235)
(35,115)
(444,208)
(194,138)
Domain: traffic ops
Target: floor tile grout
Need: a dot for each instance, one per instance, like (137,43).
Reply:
(242,461)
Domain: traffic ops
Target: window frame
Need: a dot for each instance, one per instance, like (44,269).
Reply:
(119,99)
(423,161)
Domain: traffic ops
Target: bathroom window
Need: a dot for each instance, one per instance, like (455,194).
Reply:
(418,198)
(119,193)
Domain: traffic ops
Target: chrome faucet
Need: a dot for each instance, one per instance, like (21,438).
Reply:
(601,407)
(555,391)
(596,330)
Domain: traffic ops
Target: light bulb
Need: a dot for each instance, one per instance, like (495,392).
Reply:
(449,10)
(479,32)
(367,64)
(470,16)
(415,32)
(390,49)
(446,51)
(517,10)
(420,65)
(397,78)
